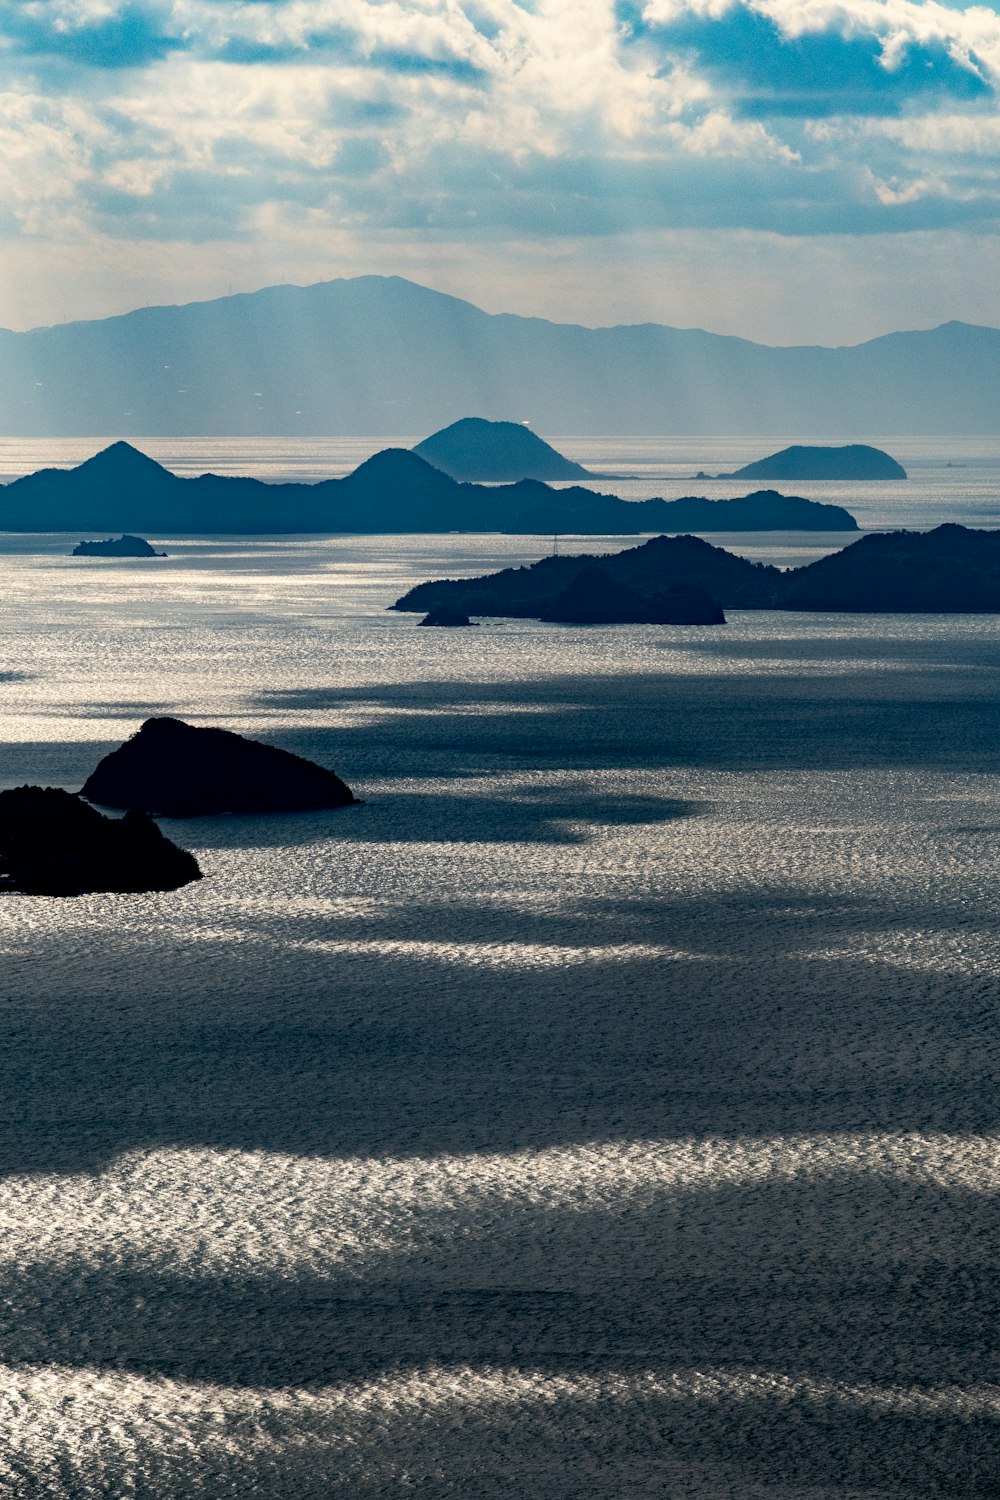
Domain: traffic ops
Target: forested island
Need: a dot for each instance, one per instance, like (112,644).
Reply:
(952,569)
(122,546)
(823,461)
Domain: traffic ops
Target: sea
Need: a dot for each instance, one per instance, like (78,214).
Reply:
(604,1108)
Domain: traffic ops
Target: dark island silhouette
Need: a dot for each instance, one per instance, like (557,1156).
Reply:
(123,546)
(663,566)
(499,452)
(52,844)
(176,770)
(394,491)
(445,617)
(594,596)
(951,569)
(852,461)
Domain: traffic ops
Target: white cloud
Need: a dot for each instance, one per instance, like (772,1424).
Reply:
(412,126)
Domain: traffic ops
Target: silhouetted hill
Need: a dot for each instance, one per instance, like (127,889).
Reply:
(502,452)
(850,461)
(661,565)
(178,770)
(950,570)
(394,491)
(383,355)
(122,546)
(52,844)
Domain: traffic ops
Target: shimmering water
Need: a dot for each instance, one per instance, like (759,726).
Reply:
(605,1108)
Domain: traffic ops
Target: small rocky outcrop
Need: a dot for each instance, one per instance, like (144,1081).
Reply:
(179,771)
(123,546)
(445,616)
(52,844)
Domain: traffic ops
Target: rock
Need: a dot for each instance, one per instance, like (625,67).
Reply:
(52,844)
(446,616)
(178,771)
(124,546)
(852,461)
(501,452)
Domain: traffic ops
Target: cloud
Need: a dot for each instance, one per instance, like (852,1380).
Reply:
(773,58)
(475,122)
(88,34)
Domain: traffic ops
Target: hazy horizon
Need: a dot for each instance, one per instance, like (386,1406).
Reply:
(578,322)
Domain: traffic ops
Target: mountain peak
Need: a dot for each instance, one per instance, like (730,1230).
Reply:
(476,449)
(122,460)
(396,464)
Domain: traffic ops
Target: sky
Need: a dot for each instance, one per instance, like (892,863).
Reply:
(788,170)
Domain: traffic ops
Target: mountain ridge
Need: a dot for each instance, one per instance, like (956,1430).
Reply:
(375,355)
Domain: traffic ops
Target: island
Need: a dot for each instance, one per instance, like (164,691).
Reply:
(178,770)
(123,546)
(52,844)
(679,580)
(498,452)
(122,489)
(950,570)
(851,461)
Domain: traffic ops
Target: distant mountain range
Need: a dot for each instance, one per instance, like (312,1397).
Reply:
(380,355)
(121,489)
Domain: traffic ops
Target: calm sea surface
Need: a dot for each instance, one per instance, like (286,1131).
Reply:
(605,1108)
